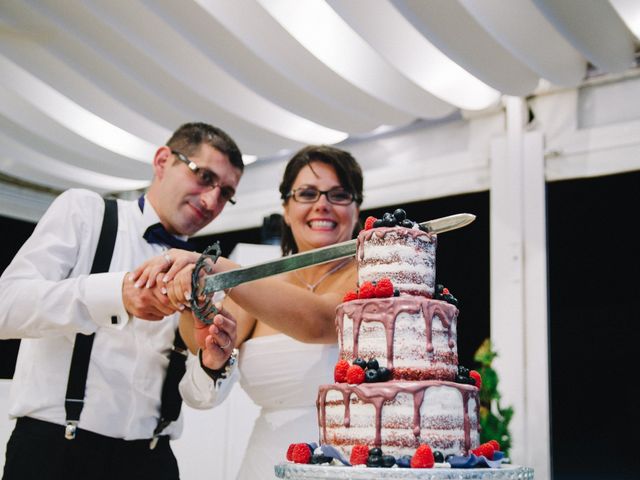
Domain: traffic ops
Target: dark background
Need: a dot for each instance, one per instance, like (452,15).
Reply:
(593,269)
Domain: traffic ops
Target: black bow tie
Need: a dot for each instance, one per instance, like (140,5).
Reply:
(156,233)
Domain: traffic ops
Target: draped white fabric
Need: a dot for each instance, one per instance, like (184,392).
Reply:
(89,88)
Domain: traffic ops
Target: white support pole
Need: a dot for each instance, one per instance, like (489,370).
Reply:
(538,454)
(519,286)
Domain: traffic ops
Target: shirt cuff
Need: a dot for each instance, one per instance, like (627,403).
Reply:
(103,293)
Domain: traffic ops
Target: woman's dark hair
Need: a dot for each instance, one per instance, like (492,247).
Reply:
(188,138)
(347,169)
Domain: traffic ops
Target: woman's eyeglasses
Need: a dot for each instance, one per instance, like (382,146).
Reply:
(207,178)
(336,195)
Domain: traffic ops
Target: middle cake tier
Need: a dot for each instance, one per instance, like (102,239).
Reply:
(414,337)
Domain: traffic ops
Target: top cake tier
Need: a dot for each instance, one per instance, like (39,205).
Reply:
(407,256)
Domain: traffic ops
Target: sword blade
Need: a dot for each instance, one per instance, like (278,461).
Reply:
(220,281)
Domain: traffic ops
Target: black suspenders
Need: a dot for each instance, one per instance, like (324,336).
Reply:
(74,398)
(171,401)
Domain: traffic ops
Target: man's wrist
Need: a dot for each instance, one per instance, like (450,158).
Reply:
(222,372)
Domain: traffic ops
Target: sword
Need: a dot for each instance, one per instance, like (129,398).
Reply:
(202,302)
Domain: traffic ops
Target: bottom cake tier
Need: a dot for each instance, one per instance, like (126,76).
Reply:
(398,416)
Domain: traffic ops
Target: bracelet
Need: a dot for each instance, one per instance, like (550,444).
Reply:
(222,372)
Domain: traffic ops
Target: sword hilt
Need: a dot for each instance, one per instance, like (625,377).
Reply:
(204,309)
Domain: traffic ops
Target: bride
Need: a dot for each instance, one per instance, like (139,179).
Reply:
(286,331)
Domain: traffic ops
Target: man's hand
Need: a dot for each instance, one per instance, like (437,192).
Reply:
(217,340)
(145,303)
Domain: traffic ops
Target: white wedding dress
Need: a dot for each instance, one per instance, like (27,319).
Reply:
(281,375)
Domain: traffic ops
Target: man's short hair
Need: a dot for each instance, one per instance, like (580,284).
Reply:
(188,138)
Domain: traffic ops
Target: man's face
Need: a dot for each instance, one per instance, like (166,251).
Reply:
(182,202)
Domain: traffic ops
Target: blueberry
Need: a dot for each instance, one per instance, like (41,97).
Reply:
(384,374)
(423,228)
(388,461)
(406,223)
(396,292)
(439,288)
(376,451)
(371,376)
(361,362)
(374,461)
(373,364)
(404,461)
(438,456)
(400,214)
(378,223)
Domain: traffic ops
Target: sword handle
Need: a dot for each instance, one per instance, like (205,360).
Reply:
(205,308)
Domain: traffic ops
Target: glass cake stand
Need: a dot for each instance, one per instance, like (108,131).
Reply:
(297,471)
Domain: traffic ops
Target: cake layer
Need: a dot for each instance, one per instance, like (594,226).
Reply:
(414,337)
(407,256)
(398,416)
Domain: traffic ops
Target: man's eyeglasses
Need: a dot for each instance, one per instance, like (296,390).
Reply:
(207,178)
(336,195)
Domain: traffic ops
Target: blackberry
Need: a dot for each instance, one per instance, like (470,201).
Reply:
(438,456)
(373,364)
(318,458)
(361,362)
(388,461)
(463,371)
(400,214)
(461,379)
(371,376)
(374,461)
(388,220)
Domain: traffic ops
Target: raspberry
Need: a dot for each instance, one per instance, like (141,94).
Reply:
(495,444)
(340,371)
(423,458)
(485,449)
(301,453)
(368,223)
(367,290)
(445,291)
(355,375)
(476,377)
(350,295)
(290,452)
(359,455)
(384,288)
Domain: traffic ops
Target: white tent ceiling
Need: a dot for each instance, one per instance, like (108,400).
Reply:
(88,89)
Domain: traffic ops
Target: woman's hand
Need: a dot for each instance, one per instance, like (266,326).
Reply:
(169,263)
(217,340)
(178,290)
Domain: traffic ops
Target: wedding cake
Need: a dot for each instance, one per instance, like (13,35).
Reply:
(397,381)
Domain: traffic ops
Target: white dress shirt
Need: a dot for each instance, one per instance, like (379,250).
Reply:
(47,296)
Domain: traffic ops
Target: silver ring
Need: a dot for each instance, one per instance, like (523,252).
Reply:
(166,257)
(226,346)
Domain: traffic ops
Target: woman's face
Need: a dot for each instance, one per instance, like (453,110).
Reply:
(321,223)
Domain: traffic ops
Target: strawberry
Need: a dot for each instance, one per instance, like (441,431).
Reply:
(290,452)
(368,223)
(359,455)
(486,450)
(367,290)
(476,377)
(495,444)
(350,295)
(423,458)
(340,371)
(384,288)
(301,453)
(355,375)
